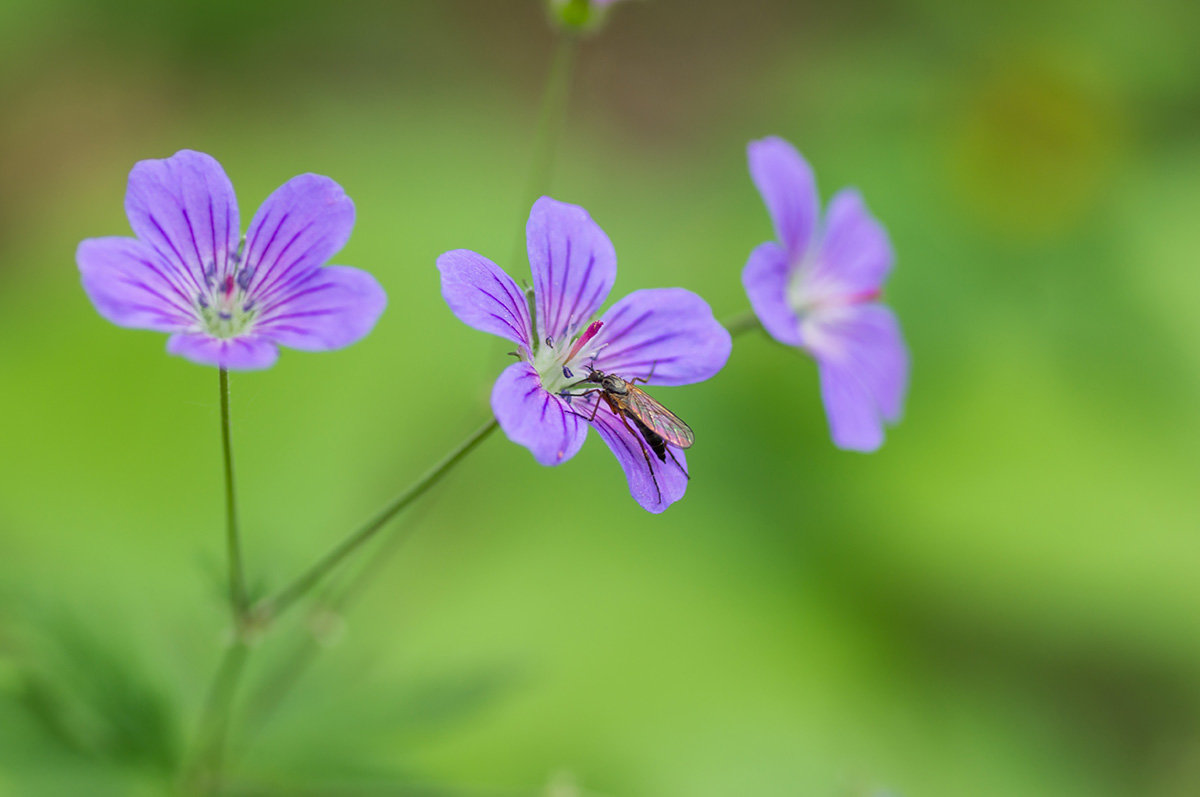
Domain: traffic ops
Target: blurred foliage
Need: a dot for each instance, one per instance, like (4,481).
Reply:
(1002,601)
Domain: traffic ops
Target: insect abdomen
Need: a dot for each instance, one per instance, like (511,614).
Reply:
(653,438)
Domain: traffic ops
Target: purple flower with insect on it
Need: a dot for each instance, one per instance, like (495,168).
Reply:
(226,304)
(546,400)
(818,288)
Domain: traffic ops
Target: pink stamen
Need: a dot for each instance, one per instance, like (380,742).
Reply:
(864,296)
(229,286)
(587,335)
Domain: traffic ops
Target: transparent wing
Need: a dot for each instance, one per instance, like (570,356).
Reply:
(661,420)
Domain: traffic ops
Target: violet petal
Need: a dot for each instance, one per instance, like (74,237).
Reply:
(633,453)
(247,353)
(789,190)
(765,278)
(185,209)
(863,365)
(551,429)
(334,307)
(132,286)
(574,266)
(483,296)
(302,224)
(668,331)
(855,254)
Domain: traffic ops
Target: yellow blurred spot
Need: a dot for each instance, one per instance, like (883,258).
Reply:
(1034,150)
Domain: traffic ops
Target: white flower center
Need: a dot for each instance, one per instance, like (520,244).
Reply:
(811,292)
(820,302)
(223,306)
(563,363)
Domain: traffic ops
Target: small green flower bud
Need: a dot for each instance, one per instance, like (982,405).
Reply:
(579,15)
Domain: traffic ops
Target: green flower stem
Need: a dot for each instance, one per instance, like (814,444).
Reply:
(741,323)
(325,615)
(204,772)
(552,115)
(237,578)
(271,608)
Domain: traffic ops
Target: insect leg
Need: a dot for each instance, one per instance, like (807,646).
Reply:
(647,377)
(596,406)
(569,396)
(686,475)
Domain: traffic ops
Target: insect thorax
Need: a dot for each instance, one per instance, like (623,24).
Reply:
(614,384)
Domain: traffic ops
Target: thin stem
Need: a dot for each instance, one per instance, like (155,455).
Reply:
(237,578)
(205,770)
(328,609)
(552,114)
(742,322)
(272,608)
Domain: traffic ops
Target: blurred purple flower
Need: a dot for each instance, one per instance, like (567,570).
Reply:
(668,335)
(817,288)
(227,305)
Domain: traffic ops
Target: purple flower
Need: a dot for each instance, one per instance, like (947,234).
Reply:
(817,288)
(224,304)
(666,336)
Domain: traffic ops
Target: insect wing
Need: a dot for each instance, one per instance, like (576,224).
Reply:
(658,418)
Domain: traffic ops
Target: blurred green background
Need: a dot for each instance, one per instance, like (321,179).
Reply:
(1003,601)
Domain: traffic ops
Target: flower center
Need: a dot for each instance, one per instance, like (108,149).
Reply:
(810,292)
(223,305)
(562,363)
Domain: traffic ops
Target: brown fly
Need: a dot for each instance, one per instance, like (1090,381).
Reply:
(656,425)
